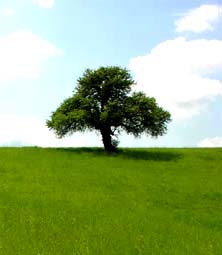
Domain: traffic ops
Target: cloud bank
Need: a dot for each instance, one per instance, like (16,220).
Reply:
(200,19)
(7,12)
(211,142)
(44,3)
(178,74)
(22,55)
(30,131)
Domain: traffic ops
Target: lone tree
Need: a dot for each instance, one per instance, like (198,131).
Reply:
(103,101)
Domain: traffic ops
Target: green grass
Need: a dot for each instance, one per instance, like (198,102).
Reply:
(82,201)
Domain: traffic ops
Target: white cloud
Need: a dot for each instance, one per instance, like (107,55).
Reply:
(22,54)
(178,74)
(30,131)
(200,19)
(211,142)
(7,12)
(44,3)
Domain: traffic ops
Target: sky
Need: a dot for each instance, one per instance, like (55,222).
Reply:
(172,48)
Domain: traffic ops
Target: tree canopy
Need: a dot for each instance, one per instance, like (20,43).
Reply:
(103,101)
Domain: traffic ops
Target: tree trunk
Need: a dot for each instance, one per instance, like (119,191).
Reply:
(107,140)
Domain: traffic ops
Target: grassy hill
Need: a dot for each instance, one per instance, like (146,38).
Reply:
(82,201)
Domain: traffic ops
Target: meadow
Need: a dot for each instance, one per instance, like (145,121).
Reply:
(83,201)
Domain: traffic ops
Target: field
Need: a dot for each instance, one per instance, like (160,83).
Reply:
(82,201)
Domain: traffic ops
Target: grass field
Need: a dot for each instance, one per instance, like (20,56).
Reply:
(82,201)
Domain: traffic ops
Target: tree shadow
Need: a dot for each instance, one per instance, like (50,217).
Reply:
(129,153)
(151,154)
(97,151)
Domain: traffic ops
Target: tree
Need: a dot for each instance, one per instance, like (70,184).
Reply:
(103,101)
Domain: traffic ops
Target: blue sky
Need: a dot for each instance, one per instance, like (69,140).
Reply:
(173,49)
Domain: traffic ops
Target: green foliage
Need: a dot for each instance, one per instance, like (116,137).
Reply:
(83,201)
(103,101)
